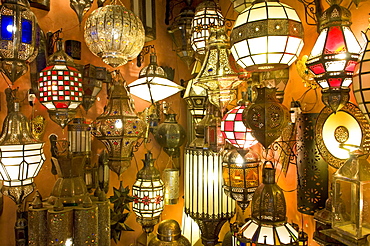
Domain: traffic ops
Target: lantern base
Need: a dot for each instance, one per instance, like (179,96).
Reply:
(62,116)
(13,69)
(210,230)
(18,193)
(148,223)
(335,98)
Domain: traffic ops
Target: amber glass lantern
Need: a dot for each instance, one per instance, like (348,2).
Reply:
(148,193)
(351,194)
(334,56)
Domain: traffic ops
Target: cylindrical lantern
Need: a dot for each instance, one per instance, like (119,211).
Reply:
(334,56)
(79,136)
(115,34)
(37,223)
(268,35)
(171,180)
(85,225)
(148,192)
(60,226)
(104,221)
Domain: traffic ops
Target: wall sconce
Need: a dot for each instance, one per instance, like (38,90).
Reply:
(148,193)
(20,37)
(267,36)
(107,31)
(334,56)
(81,7)
(145,10)
(60,87)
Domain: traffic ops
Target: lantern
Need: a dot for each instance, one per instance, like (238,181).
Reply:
(268,35)
(240,5)
(148,192)
(115,34)
(268,225)
(334,56)
(81,7)
(93,78)
(207,15)
(169,233)
(60,87)
(118,127)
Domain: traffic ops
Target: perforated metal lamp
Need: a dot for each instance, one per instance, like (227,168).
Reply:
(334,56)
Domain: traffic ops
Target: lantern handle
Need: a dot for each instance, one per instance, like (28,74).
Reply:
(268,162)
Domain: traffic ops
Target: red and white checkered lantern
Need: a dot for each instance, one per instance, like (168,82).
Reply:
(234,130)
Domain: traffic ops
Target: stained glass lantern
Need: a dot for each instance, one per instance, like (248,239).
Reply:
(207,15)
(268,225)
(118,127)
(334,56)
(60,87)
(240,5)
(180,31)
(81,7)
(240,175)
(148,193)
(19,36)
(115,34)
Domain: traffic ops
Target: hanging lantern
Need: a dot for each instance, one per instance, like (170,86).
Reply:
(21,155)
(268,35)
(148,192)
(93,78)
(20,37)
(334,56)
(60,87)
(275,79)
(207,15)
(266,117)
(216,74)
(171,179)
(118,127)
(240,5)
(180,31)
(115,34)
(153,84)
(81,7)
(240,175)
(170,135)
(268,225)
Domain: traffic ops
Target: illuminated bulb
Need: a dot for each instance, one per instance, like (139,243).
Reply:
(119,124)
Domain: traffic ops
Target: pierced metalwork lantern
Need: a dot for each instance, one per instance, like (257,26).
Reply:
(268,225)
(81,7)
(268,35)
(240,175)
(60,87)
(92,84)
(334,56)
(240,5)
(207,15)
(277,79)
(180,31)
(19,36)
(148,193)
(115,34)
(118,127)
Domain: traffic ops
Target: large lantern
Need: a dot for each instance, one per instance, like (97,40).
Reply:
(115,34)
(19,37)
(60,87)
(267,36)
(334,56)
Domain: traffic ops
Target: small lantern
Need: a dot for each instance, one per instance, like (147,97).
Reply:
(60,87)
(268,35)
(81,7)
(148,192)
(171,179)
(334,56)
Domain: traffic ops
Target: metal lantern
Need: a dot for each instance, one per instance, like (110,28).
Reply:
(118,127)
(180,31)
(240,5)
(79,135)
(148,192)
(334,56)
(268,35)
(60,87)
(268,225)
(153,84)
(240,175)
(20,37)
(207,15)
(216,74)
(81,7)
(115,34)
(171,179)
(93,78)
(277,79)
(169,233)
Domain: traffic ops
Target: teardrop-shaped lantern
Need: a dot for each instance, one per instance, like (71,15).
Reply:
(80,7)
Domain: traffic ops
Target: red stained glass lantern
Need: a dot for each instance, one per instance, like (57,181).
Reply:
(334,56)
(60,87)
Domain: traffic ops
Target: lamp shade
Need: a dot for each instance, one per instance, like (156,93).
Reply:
(268,35)
(115,34)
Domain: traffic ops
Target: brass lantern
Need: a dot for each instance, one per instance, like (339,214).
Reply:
(81,7)
(169,233)
(118,127)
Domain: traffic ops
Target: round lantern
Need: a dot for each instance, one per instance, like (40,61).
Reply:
(60,87)
(334,56)
(115,34)
(268,35)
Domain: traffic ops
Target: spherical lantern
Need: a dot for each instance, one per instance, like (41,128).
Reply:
(115,34)
(60,87)
(20,36)
(207,15)
(334,56)
(148,192)
(234,130)
(268,35)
